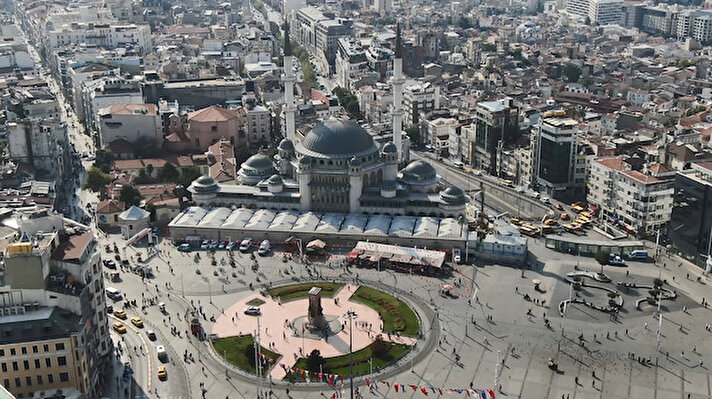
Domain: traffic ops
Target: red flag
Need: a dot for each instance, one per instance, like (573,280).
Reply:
(368,382)
(425,391)
(385,382)
(415,387)
(441,391)
(491,393)
(395,385)
(331,379)
(321,375)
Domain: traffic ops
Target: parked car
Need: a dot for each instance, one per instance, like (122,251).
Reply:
(264,248)
(230,245)
(246,245)
(221,245)
(184,247)
(205,244)
(252,311)
(616,260)
(151,335)
(456,258)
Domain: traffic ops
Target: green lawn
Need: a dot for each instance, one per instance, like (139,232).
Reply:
(298,291)
(340,365)
(235,350)
(397,316)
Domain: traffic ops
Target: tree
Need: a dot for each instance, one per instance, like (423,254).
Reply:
(146,148)
(572,72)
(168,173)
(129,195)
(588,20)
(348,101)
(143,177)
(103,160)
(602,258)
(378,347)
(315,361)
(96,179)
(413,133)
(149,169)
(189,174)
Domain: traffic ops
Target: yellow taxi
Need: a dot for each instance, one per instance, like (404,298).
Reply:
(119,327)
(551,222)
(162,372)
(515,221)
(120,314)
(137,322)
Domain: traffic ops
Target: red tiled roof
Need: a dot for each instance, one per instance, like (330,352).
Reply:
(110,206)
(615,163)
(131,109)
(131,164)
(212,114)
(641,177)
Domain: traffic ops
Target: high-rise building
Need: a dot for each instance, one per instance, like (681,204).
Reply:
(599,12)
(695,24)
(690,231)
(53,311)
(559,159)
(496,125)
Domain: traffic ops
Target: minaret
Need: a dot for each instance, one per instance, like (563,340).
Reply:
(288,78)
(398,82)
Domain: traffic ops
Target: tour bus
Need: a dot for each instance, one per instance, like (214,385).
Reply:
(114,294)
(530,231)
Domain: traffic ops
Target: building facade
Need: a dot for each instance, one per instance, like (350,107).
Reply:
(690,229)
(130,122)
(496,125)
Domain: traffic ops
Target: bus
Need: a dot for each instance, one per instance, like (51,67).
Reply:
(529,231)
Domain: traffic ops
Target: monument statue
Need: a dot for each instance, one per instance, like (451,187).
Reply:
(315,314)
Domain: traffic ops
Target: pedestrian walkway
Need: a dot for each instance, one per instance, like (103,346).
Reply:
(276,336)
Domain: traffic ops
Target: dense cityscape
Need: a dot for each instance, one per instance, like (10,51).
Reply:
(355,199)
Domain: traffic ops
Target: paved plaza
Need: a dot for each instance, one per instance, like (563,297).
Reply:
(486,321)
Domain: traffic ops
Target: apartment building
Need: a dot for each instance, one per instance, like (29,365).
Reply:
(696,24)
(108,35)
(599,12)
(641,200)
(56,333)
(105,92)
(418,100)
(130,122)
(35,133)
(351,65)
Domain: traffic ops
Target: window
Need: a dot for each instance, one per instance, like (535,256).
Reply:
(45,348)
(50,379)
(39,380)
(48,362)
(2,352)
(28,381)
(23,350)
(17,382)
(59,346)
(13,352)
(35,349)
(37,363)
(25,364)
(4,367)
(62,361)
(14,366)
(6,383)
(63,377)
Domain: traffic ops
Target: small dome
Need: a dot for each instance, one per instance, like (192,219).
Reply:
(205,184)
(418,172)
(275,180)
(258,162)
(337,138)
(354,162)
(453,196)
(389,148)
(286,145)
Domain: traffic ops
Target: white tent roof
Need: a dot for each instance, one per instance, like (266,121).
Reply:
(134,213)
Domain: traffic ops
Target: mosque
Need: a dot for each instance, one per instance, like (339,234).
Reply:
(336,167)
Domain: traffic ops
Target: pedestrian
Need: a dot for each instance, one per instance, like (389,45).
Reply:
(646,325)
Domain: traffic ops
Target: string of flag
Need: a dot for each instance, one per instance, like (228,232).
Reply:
(336,379)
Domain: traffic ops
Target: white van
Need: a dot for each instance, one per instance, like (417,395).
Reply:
(161,352)
(114,294)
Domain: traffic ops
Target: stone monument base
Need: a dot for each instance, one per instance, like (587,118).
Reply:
(330,326)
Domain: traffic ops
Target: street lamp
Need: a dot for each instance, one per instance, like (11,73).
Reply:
(351,315)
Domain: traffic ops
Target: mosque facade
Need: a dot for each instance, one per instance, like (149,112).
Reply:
(336,167)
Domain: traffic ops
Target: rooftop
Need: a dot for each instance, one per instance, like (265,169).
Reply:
(37,325)
(73,247)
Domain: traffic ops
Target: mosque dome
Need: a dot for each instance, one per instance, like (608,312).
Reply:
(337,138)
(205,184)
(418,172)
(286,145)
(389,148)
(453,196)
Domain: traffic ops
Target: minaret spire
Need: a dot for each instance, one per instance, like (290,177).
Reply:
(288,78)
(398,82)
